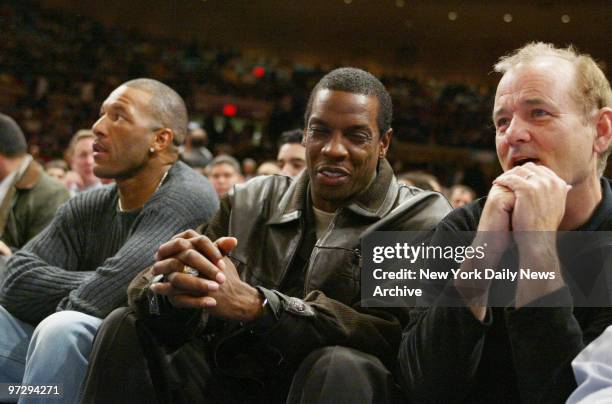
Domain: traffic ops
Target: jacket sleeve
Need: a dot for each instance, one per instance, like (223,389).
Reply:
(295,327)
(440,352)
(42,211)
(442,345)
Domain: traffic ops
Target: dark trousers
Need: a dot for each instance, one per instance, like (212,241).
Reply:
(128,366)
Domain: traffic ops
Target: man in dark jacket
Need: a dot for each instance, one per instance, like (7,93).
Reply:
(283,314)
(28,196)
(553,133)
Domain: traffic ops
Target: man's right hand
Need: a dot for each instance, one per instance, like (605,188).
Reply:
(194,250)
(497,213)
(494,232)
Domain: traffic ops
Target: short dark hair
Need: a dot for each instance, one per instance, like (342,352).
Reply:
(291,136)
(356,81)
(167,106)
(226,159)
(12,140)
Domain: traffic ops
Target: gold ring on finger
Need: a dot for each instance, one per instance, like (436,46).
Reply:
(190,271)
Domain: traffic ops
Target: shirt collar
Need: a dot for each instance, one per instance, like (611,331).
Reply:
(603,210)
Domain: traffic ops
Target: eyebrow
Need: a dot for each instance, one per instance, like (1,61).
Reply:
(358,127)
(317,121)
(527,102)
(116,106)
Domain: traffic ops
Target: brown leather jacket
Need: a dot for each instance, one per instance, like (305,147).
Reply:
(267,216)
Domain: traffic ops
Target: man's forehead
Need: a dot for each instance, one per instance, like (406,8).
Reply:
(542,80)
(130,96)
(291,150)
(83,142)
(223,168)
(327,100)
(541,73)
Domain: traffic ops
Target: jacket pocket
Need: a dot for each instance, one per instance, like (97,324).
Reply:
(335,272)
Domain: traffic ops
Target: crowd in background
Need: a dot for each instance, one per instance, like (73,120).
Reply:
(57,67)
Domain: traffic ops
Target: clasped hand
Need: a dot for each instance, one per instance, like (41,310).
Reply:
(217,288)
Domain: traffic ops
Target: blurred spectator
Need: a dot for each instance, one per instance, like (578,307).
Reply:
(460,195)
(81,178)
(224,173)
(51,100)
(194,152)
(421,180)
(28,196)
(57,169)
(268,168)
(291,153)
(249,168)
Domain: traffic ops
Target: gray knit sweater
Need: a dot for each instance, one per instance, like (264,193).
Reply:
(85,259)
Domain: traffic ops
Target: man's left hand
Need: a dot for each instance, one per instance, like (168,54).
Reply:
(232,299)
(540,197)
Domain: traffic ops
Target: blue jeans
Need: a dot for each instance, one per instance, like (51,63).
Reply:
(55,352)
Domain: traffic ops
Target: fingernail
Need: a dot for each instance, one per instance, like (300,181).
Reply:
(220,277)
(211,303)
(213,286)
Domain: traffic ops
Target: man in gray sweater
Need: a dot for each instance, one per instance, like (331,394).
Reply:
(60,286)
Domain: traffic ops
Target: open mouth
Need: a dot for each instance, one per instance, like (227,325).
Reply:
(98,150)
(332,175)
(521,161)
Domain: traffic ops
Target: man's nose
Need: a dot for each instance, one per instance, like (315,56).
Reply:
(517,132)
(98,127)
(335,147)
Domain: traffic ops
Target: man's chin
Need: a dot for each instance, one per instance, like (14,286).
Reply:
(103,174)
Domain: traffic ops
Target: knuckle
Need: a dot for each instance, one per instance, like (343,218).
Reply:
(183,243)
(191,233)
(190,254)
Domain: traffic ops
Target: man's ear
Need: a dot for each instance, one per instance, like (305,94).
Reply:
(603,130)
(163,139)
(385,141)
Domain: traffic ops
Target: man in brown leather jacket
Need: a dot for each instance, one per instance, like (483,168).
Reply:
(274,313)
(29,198)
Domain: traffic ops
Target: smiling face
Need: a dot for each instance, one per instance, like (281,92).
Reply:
(124,133)
(343,145)
(536,119)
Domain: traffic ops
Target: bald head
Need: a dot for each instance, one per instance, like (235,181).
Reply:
(167,106)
